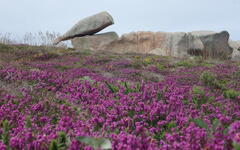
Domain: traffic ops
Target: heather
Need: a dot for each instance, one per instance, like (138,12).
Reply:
(69,99)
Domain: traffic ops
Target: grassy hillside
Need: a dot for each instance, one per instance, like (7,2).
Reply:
(52,98)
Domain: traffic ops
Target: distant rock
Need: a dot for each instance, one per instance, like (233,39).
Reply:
(236,55)
(215,44)
(234,44)
(208,44)
(88,26)
(236,50)
(177,44)
(94,42)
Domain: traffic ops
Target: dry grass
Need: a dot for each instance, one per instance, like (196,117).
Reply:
(34,39)
(27,47)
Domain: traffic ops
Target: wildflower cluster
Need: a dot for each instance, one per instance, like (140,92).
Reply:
(58,102)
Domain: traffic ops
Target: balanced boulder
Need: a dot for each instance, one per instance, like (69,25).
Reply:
(94,42)
(88,26)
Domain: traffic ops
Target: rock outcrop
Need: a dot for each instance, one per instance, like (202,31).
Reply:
(208,44)
(87,26)
(177,44)
(215,44)
(94,42)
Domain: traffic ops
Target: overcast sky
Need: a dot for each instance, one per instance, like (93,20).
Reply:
(21,16)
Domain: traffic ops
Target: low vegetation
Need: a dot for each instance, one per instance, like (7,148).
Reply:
(60,99)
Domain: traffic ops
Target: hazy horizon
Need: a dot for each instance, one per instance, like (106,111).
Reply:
(20,17)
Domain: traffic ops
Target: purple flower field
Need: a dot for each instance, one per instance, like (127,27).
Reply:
(83,100)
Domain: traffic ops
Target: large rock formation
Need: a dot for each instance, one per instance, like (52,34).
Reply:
(177,44)
(208,44)
(94,42)
(88,26)
(215,44)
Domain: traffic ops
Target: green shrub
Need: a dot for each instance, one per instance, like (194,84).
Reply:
(200,122)
(28,122)
(53,145)
(131,90)
(209,79)
(148,60)
(61,143)
(206,64)
(198,90)
(62,140)
(185,63)
(6,133)
(167,128)
(112,88)
(220,84)
(231,94)
(62,67)
(87,78)
(160,66)
(236,145)
(199,96)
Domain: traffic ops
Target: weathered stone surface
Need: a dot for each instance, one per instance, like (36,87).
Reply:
(236,55)
(177,44)
(94,42)
(236,50)
(234,44)
(88,26)
(158,51)
(202,32)
(215,44)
